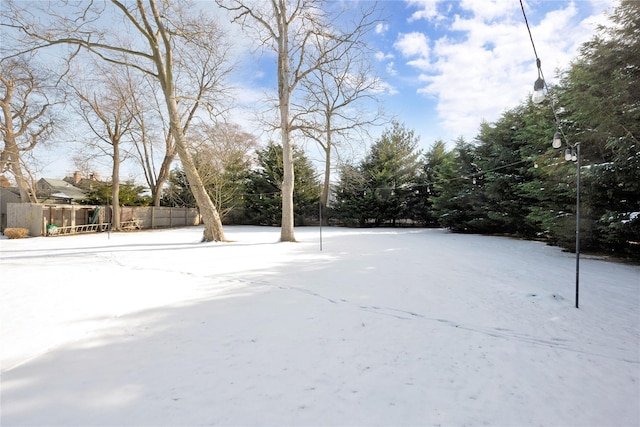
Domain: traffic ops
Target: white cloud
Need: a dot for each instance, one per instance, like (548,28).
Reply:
(384,87)
(421,63)
(390,69)
(489,10)
(427,9)
(382,28)
(381,56)
(492,67)
(413,44)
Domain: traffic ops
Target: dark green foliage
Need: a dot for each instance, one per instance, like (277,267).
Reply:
(178,193)
(432,163)
(601,97)
(130,194)
(601,90)
(263,198)
(382,189)
(612,191)
(228,188)
(222,156)
(524,187)
(352,199)
(508,153)
(509,180)
(457,196)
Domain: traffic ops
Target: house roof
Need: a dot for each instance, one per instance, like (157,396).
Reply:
(61,188)
(9,195)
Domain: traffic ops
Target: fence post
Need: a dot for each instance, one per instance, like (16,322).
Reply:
(73,217)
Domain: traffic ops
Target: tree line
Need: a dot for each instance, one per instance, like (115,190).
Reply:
(146,82)
(163,91)
(510,179)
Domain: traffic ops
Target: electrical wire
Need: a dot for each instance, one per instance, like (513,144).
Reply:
(526,22)
(540,73)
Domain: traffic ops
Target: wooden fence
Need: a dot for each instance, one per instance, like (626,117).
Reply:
(56,220)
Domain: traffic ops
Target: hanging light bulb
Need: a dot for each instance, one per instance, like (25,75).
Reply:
(539,91)
(539,88)
(574,155)
(567,154)
(557,140)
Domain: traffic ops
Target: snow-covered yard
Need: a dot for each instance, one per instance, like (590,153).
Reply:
(382,327)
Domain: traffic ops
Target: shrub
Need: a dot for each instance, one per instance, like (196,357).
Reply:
(16,233)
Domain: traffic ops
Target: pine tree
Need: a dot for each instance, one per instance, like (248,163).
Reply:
(381,190)
(601,96)
(131,194)
(457,194)
(425,188)
(177,192)
(392,169)
(263,198)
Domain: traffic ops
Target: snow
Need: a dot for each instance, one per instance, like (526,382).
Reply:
(381,327)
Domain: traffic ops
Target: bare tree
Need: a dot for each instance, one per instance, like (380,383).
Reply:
(154,34)
(294,29)
(223,158)
(26,120)
(339,106)
(151,127)
(104,105)
(201,83)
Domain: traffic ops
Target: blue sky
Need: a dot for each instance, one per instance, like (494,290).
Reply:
(445,65)
(456,63)
(448,65)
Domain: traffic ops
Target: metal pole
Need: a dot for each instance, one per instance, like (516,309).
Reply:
(320,217)
(578,226)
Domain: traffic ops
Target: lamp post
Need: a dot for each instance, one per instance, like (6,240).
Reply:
(573,154)
(577,160)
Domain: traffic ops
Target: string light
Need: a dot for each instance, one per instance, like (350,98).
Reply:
(572,153)
(539,86)
(541,91)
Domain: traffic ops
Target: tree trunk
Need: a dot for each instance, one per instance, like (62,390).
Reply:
(287,226)
(11,155)
(26,195)
(163,177)
(284,93)
(324,197)
(213,230)
(115,187)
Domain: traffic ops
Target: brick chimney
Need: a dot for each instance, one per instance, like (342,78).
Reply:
(77,177)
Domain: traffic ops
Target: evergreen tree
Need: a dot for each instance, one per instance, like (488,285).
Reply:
(130,195)
(382,189)
(457,194)
(507,154)
(392,169)
(222,155)
(263,198)
(425,188)
(601,97)
(352,197)
(177,193)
